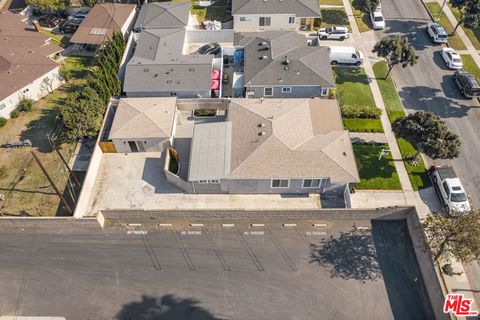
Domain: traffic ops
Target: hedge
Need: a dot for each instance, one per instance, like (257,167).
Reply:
(361,112)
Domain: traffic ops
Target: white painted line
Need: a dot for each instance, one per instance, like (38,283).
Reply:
(164,224)
(319,224)
(196,224)
(362,228)
(134,224)
(227,225)
(289,224)
(257,224)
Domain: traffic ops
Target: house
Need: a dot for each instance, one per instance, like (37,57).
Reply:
(143,125)
(284,146)
(160,67)
(256,15)
(280,64)
(102,21)
(159,15)
(27,68)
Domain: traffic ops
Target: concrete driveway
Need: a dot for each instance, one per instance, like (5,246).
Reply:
(429,86)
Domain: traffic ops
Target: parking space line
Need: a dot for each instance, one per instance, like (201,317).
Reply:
(303,237)
(184,251)
(282,252)
(217,251)
(250,252)
(150,252)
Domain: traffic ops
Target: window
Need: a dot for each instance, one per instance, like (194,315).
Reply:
(173,94)
(2,106)
(264,21)
(245,19)
(268,92)
(202,181)
(324,92)
(291,20)
(447,190)
(280,183)
(214,181)
(311,183)
(286,90)
(26,90)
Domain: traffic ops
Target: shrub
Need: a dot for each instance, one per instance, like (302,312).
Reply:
(332,93)
(3,172)
(65,73)
(14,114)
(447,269)
(362,112)
(26,104)
(3,122)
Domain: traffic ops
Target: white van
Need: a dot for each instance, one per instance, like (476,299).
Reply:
(345,55)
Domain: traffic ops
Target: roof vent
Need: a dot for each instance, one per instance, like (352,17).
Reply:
(262,133)
(264,43)
(297,72)
(146,70)
(285,68)
(286,62)
(169,81)
(264,58)
(261,125)
(155,75)
(191,69)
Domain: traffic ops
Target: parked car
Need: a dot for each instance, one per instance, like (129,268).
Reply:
(337,33)
(450,190)
(345,55)
(437,33)
(210,48)
(49,20)
(377,19)
(79,15)
(18,144)
(70,25)
(452,58)
(467,83)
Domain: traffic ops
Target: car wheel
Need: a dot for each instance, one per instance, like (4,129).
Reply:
(334,62)
(323,38)
(358,63)
(342,38)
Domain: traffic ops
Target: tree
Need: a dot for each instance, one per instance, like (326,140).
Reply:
(47,5)
(457,237)
(83,113)
(429,133)
(469,13)
(366,5)
(396,50)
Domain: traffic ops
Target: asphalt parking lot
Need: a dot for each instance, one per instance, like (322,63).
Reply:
(343,270)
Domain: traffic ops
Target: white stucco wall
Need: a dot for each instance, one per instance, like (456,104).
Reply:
(150,144)
(278,22)
(34,90)
(129,23)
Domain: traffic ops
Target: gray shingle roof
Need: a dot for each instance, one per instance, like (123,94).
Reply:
(300,8)
(266,54)
(163,15)
(290,138)
(158,64)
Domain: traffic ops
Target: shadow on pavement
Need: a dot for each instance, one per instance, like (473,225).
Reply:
(415,31)
(167,307)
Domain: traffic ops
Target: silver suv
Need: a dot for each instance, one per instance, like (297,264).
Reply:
(437,33)
(336,33)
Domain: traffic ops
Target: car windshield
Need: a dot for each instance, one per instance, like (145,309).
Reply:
(378,18)
(442,36)
(329,29)
(458,197)
(456,60)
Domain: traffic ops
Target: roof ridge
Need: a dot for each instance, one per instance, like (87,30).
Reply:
(251,154)
(319,75)
(303,4)
(332,141)
(153,121)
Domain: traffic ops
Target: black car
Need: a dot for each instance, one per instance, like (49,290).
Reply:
(467,83)
(210,48)
(70,25)
(49,20)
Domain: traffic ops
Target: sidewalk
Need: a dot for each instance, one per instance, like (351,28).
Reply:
(424,201)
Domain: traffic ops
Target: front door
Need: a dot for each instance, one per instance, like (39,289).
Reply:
(133,146)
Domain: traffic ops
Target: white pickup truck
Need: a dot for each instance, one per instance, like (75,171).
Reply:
(450,190)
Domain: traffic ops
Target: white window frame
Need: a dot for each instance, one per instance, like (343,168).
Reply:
(202,181)
(265,92)
(291,20)
(280,187)
(265,19)
(286,89)
(312,179)
(324,92)
(246,19)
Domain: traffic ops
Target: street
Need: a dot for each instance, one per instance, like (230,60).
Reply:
(429,86)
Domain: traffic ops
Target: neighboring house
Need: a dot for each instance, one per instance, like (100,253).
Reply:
(159,15)
(26,65)
(102,21)
(160,68)
(143,124)
(280,64)
(287,146)
(256,15)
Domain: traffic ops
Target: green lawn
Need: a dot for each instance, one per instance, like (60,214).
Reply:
(216,11)
(470,65)
(363,125)
(331,2)
(472,34)
(389,92)
(362,19)
(418,174)
(352,87)
(375,174)
(454,41)
(335,17)
(59,39)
